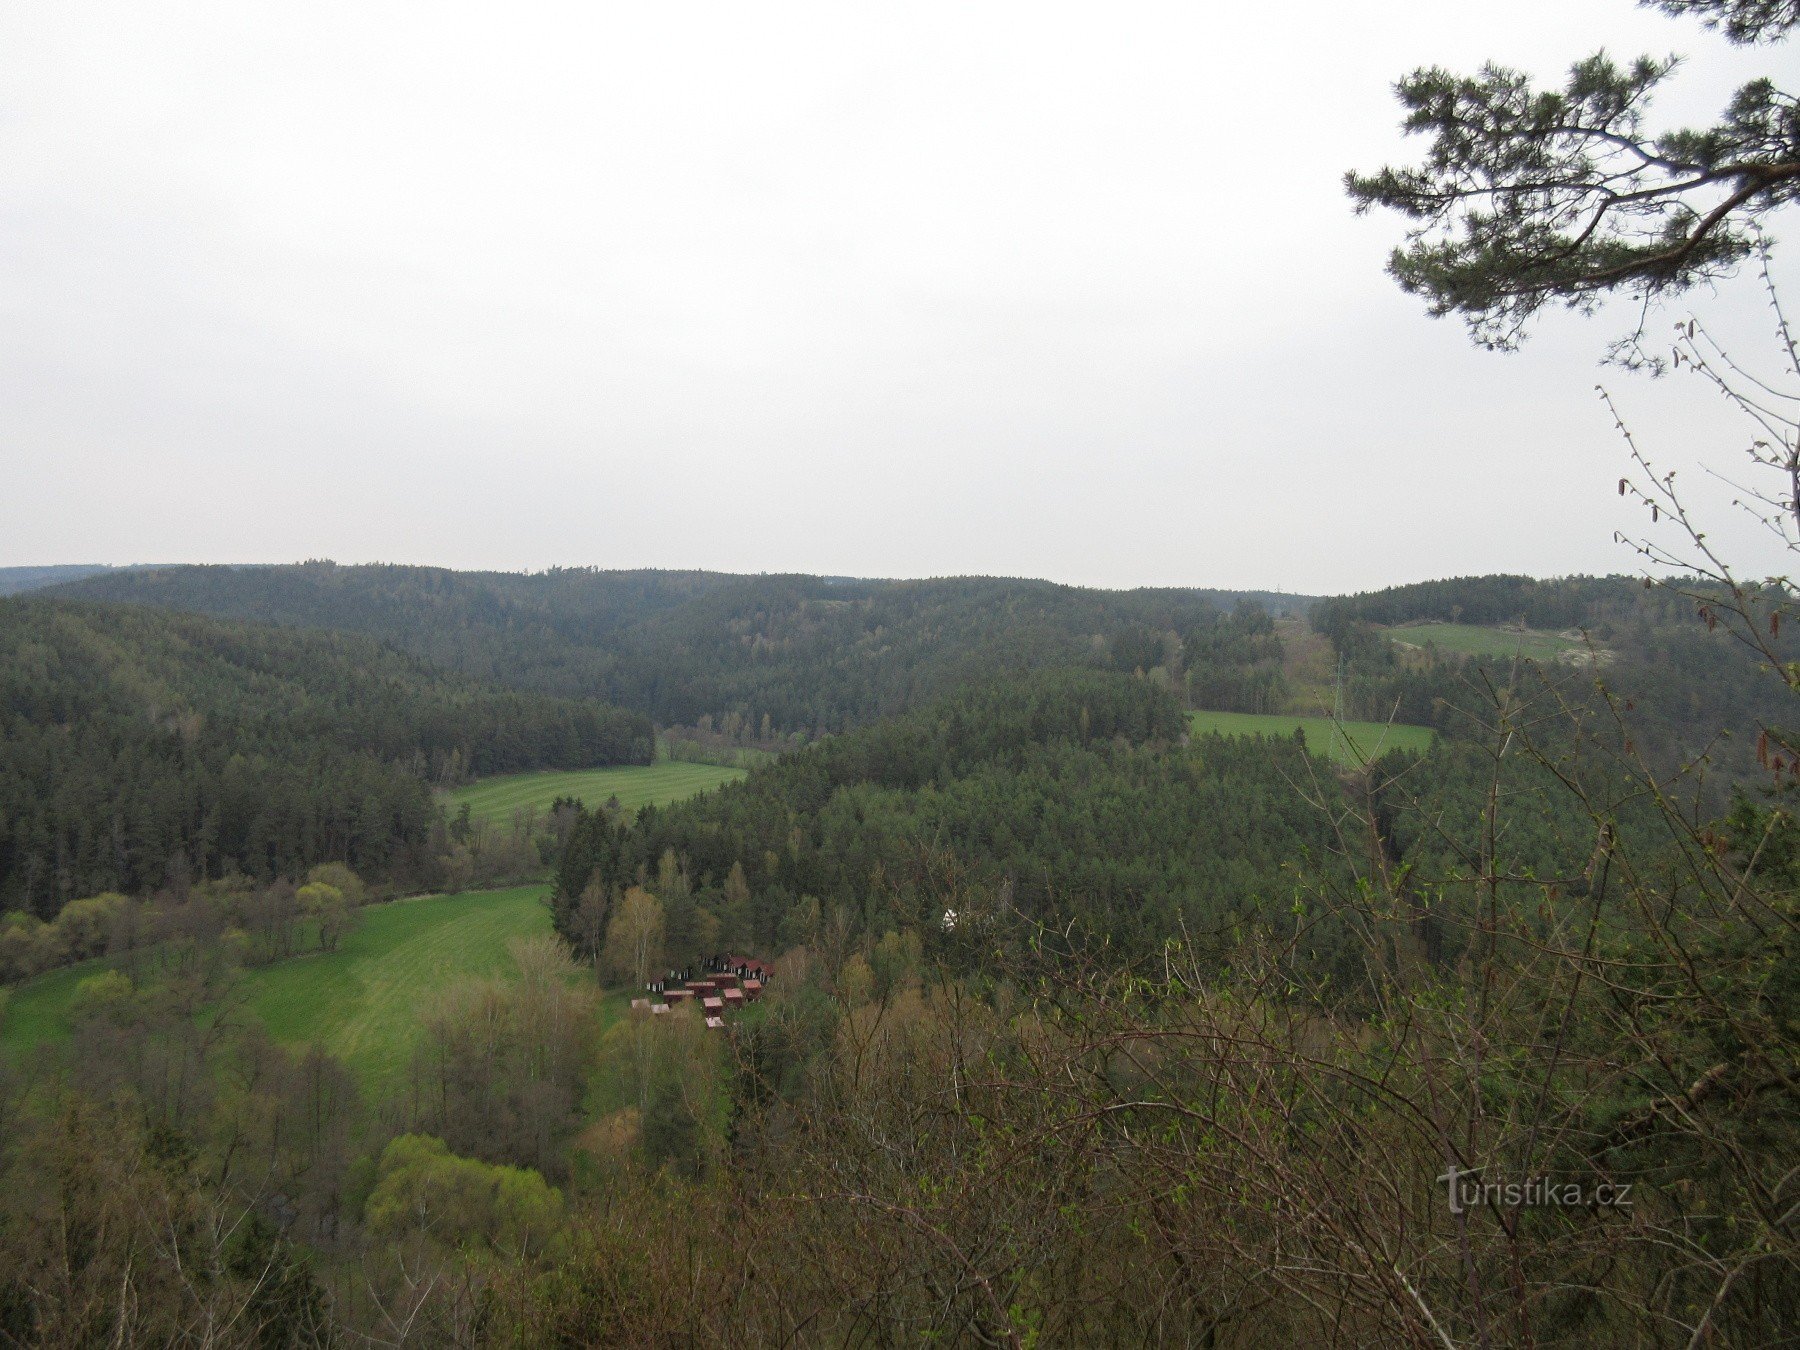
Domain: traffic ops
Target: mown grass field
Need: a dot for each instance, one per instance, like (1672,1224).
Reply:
(1347,742)
(493,800)
(38,1010)
(1470,640)
(363,1001)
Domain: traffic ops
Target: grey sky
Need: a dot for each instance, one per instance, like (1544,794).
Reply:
(892,289)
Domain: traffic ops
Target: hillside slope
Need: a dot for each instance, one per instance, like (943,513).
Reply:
(145,747)
(807,653)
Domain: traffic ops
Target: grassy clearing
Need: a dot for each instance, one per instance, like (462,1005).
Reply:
(493,800)
(363,1001)
(1347,742)
(1470,640)
(38,1010)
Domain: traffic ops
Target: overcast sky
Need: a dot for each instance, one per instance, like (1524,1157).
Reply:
(889,289)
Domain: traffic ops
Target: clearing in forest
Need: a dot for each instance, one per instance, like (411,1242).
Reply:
(1467,639)
(1345,742)
(363,1002)
(492,801)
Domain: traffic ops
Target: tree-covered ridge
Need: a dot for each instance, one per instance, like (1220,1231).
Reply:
(788,654)
(1682,691)
(1051,798)
(13,580)
(144,747)
(1564,602)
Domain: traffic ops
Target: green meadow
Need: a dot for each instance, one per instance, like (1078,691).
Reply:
(1345,742)
(1466,639)
(38,1010)
(363,1001)
(493,800)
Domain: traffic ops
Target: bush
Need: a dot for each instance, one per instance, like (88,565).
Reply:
(110,995)
(86,925)
(422,1186)
(343,880)
(28,946)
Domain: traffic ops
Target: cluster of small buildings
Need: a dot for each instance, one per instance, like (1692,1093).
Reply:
(726,984)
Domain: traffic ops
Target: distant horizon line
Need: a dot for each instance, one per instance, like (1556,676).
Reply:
(92,567)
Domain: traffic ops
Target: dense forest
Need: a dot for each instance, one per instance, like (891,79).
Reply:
(777,654)
(1049,799)
(972,961)
(1556,603)
(14,580)
(400,956)
(1049,982)
(1694,696)
(145,748)
(773,661)
(339,720)
(1052,983)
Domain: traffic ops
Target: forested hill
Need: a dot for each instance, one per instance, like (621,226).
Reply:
(1564,602)
(145,746)
(14,580)
(1690,691)
(808,654)
(1063,796)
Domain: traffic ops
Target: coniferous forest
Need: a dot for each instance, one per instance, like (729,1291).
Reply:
(1125,942)
(416,956)
(144,748)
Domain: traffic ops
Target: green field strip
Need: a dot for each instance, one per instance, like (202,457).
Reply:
(492,801)
(1346,742)
(37,1011)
